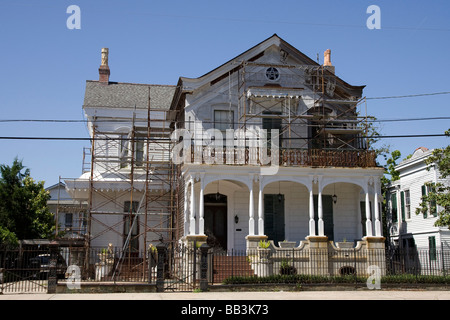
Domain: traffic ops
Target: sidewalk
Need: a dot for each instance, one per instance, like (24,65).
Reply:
(244,296)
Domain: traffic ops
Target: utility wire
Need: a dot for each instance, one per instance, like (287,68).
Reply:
(162,139)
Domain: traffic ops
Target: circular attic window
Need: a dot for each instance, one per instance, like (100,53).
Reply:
(272,74)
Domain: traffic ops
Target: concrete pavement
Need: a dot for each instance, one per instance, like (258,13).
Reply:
(243,296)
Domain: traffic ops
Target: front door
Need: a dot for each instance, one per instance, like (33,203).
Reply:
(216,220)
(274,217)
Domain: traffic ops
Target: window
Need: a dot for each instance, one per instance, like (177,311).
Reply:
(125,150)
(426,189)
(223,119)
(126,207)
(402,202)
(272,74)
(68,220)
(272,123)
(407,204)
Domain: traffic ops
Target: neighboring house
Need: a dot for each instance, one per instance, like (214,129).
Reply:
(190,162)
(69,214)
(409,230)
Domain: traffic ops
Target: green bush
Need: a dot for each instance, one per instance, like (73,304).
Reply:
(311,279)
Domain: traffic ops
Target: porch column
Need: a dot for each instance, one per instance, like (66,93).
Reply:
(320,213)
(377,214)
(201,209)
(251,220)
(368,221)
(260,211)
(186,209)
(312,223)
(192,209)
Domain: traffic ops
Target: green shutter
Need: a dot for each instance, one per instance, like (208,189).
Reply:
(394,207)
(402,200)
(274,217)
(433,206)
(424,193)
(432,247)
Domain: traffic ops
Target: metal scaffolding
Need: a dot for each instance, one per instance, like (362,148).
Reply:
(130,184)
(326,118)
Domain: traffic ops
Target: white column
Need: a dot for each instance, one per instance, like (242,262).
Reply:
(186,209)
(260,211)
(251,212)
(320,213)
(201,209)
(377,216)
(192,209)
(312,223)
(368,218)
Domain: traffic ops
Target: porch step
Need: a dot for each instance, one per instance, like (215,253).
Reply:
(228,266)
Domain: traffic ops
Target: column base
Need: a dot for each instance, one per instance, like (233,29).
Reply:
(253,241)
(374,242)
(317,241)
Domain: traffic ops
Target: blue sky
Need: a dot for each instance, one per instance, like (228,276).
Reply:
(44,65)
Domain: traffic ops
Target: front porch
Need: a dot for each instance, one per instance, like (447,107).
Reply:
(236,209)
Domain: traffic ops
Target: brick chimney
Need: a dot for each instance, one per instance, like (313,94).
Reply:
(104,68)
(327,60)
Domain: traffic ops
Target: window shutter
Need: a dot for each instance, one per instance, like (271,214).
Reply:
(394,207)
(432,247)
(424,193)
(402,200)
(433,207)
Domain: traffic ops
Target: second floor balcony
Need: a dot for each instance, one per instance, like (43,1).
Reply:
(287,157)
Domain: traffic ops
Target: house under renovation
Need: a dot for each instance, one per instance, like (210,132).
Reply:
(269,146)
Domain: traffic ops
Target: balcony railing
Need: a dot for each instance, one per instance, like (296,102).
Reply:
(283,157)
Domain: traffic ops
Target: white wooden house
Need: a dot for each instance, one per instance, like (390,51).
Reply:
(310,178)
(407,229)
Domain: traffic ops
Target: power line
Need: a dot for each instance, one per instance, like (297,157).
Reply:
(162,139)
(409,96)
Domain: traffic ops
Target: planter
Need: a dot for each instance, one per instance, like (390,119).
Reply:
(287,244)
(344,245)
(263,253)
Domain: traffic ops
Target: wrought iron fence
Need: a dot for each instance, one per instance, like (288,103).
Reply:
(324,265)
(26,270)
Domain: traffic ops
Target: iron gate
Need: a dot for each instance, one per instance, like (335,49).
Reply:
(181,266)
(24,270)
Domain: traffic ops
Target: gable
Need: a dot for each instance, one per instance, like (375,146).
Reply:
(272,51)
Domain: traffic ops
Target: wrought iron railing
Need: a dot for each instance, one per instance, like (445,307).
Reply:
(288,157)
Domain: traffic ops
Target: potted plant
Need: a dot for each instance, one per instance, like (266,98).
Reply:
(287,269)
(263,249)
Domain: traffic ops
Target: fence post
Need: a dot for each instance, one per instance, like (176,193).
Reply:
(161,248)
(52,274)
(204,267)
(1,280)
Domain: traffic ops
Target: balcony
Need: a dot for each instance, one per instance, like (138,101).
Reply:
(283,157)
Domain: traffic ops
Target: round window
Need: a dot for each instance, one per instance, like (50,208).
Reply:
(272,73)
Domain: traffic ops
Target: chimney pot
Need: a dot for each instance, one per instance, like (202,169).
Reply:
(327,61)
(104,71)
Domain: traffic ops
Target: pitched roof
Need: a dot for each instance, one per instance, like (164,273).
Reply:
(127,95)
